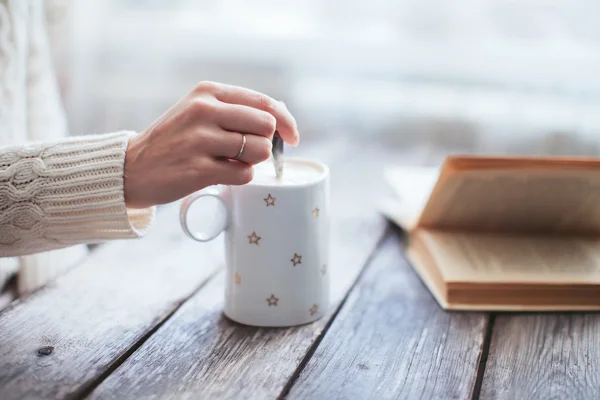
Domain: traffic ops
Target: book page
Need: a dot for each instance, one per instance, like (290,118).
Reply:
(521,162)
(411,187)
(528,199)
(468,257)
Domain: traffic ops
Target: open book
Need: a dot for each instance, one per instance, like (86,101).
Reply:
(503,233)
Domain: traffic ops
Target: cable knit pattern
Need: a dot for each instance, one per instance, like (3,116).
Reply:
(58,194)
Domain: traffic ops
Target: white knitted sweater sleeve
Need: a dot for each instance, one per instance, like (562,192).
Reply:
(66,192)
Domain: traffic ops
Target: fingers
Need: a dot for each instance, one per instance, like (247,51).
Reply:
(233,172)
(239,118)
(286,124)
(228,144)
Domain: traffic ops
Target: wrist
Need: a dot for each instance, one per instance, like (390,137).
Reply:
(130,178)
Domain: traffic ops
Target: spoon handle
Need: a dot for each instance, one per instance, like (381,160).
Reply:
(277,152)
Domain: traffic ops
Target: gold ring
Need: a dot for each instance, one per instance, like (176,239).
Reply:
(242,149)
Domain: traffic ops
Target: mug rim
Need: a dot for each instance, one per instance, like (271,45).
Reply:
(323,177)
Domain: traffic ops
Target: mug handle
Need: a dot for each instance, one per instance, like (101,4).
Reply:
(221,219)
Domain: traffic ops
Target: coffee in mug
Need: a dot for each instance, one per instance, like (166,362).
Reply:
(296,172)
(276,244)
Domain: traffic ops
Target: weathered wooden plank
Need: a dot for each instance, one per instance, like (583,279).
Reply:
(544,356)
(392,340)
(62,339)
(200,354)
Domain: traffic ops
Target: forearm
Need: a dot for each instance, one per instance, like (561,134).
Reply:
(57,194)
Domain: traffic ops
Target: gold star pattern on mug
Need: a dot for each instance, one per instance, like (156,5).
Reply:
(314,309)
(254,238)
(272,301)
(315,212)
(237,278)
(323,269)
(270,200)
(297,259)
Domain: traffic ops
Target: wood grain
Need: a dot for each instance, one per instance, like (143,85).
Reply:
(544,356)
(392,340)
(200,354)
(60,340)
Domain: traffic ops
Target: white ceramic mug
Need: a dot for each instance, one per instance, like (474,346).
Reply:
(276,247)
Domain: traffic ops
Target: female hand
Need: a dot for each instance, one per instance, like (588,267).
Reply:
(193,144)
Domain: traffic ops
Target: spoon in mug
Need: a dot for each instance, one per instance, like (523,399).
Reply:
(277,152)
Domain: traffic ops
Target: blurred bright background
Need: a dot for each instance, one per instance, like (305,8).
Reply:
(484,76)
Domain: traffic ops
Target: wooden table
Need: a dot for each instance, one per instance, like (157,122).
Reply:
(142,319)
